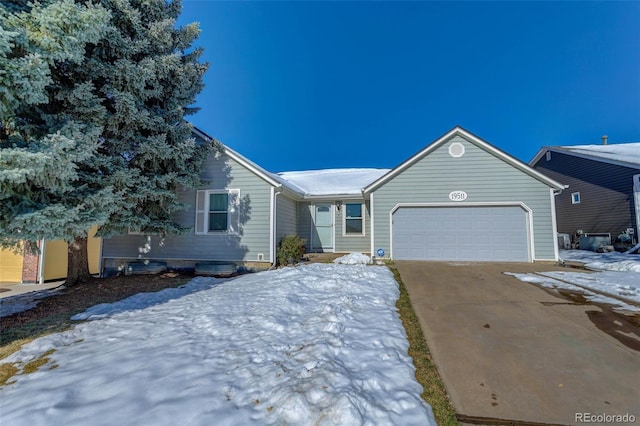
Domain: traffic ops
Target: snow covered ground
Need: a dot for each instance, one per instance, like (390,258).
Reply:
(603,261)
(315,344)
(618,276)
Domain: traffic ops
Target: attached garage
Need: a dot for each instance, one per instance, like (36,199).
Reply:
(462,233)
(462,199)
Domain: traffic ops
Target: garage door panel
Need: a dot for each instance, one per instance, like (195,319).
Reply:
(495,233)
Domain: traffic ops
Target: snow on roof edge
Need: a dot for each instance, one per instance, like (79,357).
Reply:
(626,154)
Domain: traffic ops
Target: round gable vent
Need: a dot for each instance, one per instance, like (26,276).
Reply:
(456,150)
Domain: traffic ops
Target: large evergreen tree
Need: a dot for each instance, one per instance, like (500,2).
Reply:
(42,194)
(127,97)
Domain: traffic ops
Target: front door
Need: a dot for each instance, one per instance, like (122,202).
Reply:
(323,227)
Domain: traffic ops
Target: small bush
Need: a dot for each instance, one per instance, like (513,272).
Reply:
(290,250)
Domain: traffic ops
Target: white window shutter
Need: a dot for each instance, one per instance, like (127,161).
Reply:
(201,197)
(234,211)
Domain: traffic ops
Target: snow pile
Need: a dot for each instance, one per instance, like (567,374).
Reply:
(603,261)
(22,302)
(625,285)
(316,344)
(353,259)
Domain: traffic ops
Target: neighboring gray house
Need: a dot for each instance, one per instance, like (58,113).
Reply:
(458,199)
(604,187)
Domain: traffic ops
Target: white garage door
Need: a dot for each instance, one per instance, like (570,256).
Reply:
(496,233)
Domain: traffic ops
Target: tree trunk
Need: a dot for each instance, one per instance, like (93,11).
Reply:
(78,263)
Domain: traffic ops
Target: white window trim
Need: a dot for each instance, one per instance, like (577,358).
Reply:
(573,198)
(344,219)
(203,212)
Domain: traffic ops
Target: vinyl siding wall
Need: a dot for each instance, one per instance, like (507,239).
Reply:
(606,194)
(305,222)
(352,243)
(254,230)
(484,177)
(286,214)
(342,244)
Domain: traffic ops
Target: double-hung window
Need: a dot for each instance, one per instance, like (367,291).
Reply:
(353,219)
(217,211)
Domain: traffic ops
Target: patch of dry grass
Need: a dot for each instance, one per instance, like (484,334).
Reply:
(426,371)
(7,371)
(33,366)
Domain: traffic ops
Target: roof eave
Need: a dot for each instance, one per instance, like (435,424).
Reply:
(564,150)
(330,197)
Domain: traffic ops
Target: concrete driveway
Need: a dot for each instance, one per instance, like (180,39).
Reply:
(509,350)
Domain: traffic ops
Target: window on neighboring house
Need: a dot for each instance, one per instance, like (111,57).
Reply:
(353,219)
(548,155)
(217,211)
(575,198)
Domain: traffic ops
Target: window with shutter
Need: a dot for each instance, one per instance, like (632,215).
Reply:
(217,211)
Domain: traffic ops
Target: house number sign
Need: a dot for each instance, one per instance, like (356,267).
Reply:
(457,196)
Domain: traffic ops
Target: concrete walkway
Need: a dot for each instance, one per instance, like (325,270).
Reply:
(12,289)
(510,350)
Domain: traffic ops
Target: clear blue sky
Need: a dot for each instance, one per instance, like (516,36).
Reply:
(312,85)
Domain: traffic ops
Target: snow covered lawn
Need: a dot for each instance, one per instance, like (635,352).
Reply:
(619,276)
(604,261)
(316,344)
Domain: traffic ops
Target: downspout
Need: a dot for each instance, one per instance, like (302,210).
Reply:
(636,202)
(273,224)
(371,223)
(41,262)
(554,222)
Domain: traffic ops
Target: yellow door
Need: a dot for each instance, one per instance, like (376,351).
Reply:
(10,266)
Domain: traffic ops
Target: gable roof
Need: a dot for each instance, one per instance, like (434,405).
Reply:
(470,137)
(269,177)
(623,154)
(328,183)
